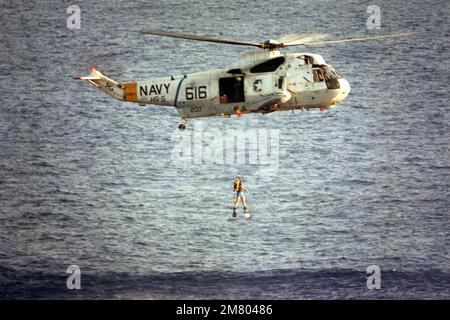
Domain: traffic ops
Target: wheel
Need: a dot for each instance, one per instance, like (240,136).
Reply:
(182,126)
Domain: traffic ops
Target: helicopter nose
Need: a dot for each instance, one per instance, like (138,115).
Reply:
(344,89)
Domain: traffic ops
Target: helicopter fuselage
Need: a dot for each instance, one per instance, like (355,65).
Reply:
(259,82)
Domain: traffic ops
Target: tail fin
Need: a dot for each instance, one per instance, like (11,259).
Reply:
(94,75)
(109,86)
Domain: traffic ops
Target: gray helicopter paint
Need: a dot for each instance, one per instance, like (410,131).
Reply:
(197,95)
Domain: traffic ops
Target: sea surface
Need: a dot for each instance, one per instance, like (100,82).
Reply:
(90,181)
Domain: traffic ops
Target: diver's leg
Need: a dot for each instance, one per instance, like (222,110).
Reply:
(236,203)
(244,203)
(238,200)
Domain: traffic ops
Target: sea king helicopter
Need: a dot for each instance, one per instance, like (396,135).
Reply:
(261,81)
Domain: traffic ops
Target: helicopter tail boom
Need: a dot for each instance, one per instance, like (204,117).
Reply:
(109,86)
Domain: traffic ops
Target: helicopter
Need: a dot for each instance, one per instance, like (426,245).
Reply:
(261,81)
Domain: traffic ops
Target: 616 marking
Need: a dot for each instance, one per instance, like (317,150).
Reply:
(195,93)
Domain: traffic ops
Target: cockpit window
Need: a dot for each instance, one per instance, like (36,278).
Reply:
(331,77)
(306,59)
(337,73)
(268,66)
(318,75)
(331,73)
(328,74)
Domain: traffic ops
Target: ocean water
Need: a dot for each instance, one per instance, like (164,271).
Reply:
(90,181)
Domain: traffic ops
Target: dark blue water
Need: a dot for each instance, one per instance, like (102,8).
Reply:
(88,180)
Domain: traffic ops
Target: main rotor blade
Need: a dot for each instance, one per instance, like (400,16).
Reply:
(299,39)
(398,35)
(196,37)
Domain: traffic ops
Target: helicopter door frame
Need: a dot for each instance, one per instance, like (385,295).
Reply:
(231,89)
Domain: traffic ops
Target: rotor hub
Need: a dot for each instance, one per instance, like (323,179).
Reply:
(271,44)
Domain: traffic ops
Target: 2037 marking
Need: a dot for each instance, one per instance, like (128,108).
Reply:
(196,109)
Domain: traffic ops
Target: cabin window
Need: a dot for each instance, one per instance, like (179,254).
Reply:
(231,89)
(280,83)
(268,66)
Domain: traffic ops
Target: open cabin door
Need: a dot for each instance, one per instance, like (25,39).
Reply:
(231,89)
